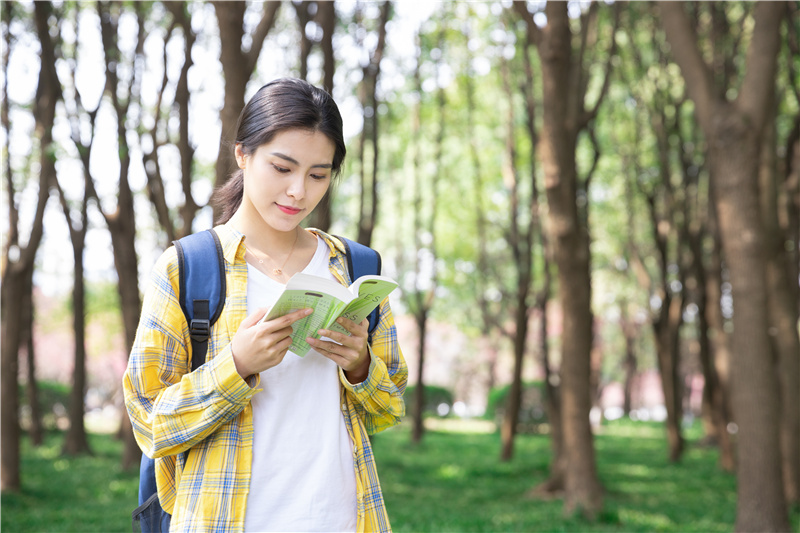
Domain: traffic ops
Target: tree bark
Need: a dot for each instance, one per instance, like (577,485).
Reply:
(720,341)
(36,430)
(237,66)
(520,240)
(369,103)
(326,18)
(783,315)
(76,442)
(19,261)
(734,130)
(563,118)
(715,412)
(422,298)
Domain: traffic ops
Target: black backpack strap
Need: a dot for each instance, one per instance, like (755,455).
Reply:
(362,261)
(201,271)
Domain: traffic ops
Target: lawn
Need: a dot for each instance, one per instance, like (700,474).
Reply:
(452,482)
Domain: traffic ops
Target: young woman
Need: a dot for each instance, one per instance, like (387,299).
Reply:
(275,442)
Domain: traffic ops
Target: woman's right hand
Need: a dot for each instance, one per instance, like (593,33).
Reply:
(259,346)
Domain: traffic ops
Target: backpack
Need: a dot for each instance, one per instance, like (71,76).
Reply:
(201,278)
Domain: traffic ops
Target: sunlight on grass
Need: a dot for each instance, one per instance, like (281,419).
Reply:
(451,482)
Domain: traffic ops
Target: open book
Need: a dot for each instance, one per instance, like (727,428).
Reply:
(329,300)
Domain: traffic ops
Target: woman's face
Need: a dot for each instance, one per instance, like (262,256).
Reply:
(286,178)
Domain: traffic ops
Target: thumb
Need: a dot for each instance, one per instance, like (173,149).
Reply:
(255,318)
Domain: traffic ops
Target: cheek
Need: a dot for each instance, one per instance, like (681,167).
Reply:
(322,187)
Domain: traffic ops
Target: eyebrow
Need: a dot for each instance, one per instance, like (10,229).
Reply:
(295,162)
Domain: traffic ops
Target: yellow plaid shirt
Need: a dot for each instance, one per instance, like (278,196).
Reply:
(208,411)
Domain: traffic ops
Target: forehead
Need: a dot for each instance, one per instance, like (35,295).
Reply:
(301,144)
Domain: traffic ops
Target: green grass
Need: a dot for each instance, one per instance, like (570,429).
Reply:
(81,494)
(455,482)
(452,482)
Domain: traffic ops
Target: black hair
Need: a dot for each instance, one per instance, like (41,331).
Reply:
(282,104)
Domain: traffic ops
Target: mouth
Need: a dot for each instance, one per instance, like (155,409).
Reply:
(288,210)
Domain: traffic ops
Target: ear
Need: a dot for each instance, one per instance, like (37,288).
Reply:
(240,156)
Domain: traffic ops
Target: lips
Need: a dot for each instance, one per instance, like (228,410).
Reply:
(288,210)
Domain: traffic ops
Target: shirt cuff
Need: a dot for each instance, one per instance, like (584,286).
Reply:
(369,385)
(228,381)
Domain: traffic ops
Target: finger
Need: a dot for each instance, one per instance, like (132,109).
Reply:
(336,336)
(255,318)
(288,319)
(352,327)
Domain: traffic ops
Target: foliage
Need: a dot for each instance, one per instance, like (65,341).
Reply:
(53,401)
(434,397)
(532,413)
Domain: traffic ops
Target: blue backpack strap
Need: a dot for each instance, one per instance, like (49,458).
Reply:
(362,261)
(201,271)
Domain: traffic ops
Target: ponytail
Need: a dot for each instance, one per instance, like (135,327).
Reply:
(228,197)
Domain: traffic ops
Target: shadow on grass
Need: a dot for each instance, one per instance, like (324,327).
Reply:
(455,482)
(452,482)
(87,493)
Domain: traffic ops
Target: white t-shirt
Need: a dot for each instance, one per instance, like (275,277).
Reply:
(303,476)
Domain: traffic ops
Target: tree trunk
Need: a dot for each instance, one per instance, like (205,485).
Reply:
(326,18)
(369,102)
(630,363)
(19,262)
(418,428)
(520,240)
(10,432)
(783,317)
(508,429)
(570,241)
(720,343)
(76,442)
(36,430)
(422,298)
(734,130)
(715,412)
(754,381)
(121,222)
(667,328)
(237,67)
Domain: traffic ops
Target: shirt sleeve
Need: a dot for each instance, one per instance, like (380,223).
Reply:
(379,398)
(172,409)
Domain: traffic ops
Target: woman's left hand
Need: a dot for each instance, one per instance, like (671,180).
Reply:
(348,351)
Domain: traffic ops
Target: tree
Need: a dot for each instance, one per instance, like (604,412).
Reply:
(238,65)
(18,264)
(520,232)
(121,220)
(667,208)
(565,81)
(368,96)
(733,126)
(159,136)
(325,18)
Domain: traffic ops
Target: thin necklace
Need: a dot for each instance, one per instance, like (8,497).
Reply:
(278,271)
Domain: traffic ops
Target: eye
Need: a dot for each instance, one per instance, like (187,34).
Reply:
(280,169)
(319,177)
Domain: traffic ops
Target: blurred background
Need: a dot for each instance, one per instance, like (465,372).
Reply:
(592,209)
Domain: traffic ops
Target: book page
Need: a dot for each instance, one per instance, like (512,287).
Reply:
(372,290)
(326,309)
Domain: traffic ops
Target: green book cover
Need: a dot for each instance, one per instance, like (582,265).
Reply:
(329,300)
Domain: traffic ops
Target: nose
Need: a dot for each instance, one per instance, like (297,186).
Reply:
(297,187)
